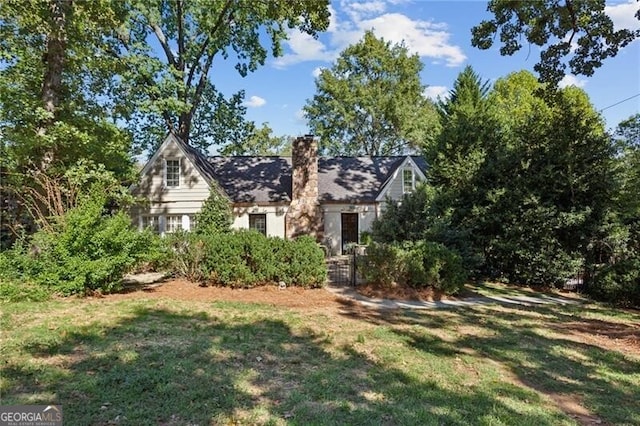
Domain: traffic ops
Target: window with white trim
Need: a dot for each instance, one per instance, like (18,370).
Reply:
(258,222)
(172,173)
(152,222)
(408,180)
(173,224)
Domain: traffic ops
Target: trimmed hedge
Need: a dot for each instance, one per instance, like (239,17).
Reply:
(421,264)
(247,259)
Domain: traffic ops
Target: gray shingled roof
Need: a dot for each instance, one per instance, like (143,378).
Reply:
(253,179)
(268,179)
(354,179)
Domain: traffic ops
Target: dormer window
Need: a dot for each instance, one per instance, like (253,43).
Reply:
(172,173)
(408,181)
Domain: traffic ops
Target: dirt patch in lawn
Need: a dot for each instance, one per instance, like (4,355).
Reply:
(397,292)
(572,405)
(624,338)
(179,289)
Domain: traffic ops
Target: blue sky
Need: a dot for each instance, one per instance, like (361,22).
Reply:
(440,33)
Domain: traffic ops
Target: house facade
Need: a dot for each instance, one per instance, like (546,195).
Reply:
(334,199)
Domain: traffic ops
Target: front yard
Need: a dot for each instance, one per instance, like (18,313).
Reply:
(148,358)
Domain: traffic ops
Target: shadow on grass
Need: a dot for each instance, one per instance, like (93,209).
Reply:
(173,368)
(546,348)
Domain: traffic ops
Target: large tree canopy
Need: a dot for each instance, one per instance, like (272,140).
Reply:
(55,85)
(175,90)
(577,31)
(529,182)
(55,104)
(371,102)
(75,72)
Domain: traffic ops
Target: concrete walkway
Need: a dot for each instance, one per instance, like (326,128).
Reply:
(351,294)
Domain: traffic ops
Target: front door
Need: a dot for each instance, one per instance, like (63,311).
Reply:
(349,229)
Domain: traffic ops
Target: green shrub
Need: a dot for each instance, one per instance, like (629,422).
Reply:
(186,253)
(215,216)
(382,265)
(421,264)
(15,291)
(305,264)
(618,283)
(88,250)
(437,267)
(248,258)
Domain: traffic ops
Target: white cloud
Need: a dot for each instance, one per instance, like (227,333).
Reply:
(299,116)
(303,48)
(623,15)
(359,10)
(435,92)
(255,102)
(571,80)
(316,72)
(426,38)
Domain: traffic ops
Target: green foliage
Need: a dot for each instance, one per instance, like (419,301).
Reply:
(382,265)
(527,181)
(370,102)
(627,168)
(17,291)
(519,188)
(75,119)
(88,250)
(171,87)
(215,215)
(259,141)
(422,216)
(555,26)
(15,284)
(618,283)
(247,258)
(420,264)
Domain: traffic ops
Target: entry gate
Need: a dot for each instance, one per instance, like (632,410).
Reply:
(341,270)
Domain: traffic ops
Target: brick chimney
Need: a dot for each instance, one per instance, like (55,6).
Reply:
(304,216)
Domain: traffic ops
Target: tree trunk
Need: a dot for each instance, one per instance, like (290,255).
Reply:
(54,58)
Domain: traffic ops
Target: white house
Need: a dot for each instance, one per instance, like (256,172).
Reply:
(333,199)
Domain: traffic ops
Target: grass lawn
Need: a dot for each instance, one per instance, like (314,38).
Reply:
(161,361)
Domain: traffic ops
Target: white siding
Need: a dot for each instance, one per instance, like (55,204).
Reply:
(184,200)
(275,218)
(333,222)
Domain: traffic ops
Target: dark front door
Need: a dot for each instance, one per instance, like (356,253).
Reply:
(349,229)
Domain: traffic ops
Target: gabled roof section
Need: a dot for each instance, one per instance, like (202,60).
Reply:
(418,163)
(196,158)
(353,179)
(254,179)
(340,179)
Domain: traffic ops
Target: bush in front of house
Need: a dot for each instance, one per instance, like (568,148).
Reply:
(247,258)
(305,262)
(215,216)
(88,249)
(420,264)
